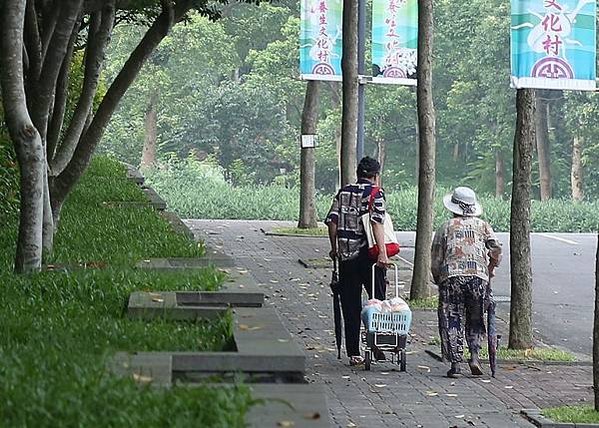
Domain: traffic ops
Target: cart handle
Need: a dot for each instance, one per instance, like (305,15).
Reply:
(397,286)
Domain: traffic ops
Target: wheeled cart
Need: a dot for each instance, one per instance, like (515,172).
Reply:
(387,331)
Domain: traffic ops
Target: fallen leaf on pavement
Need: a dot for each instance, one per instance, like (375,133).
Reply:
(248,328)
(312,416)
(141,378)
(285,424)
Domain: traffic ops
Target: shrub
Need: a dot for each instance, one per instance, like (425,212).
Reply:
(193,193)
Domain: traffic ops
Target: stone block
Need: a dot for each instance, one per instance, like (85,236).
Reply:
(300,406)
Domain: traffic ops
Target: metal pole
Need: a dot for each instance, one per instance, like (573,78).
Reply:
(361,71)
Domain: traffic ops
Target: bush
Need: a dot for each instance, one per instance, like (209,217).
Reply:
(193,193)
(60,328)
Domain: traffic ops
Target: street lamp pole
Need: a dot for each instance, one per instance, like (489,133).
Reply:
(361,72)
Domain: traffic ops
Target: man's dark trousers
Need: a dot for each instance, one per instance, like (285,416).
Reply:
(353,274)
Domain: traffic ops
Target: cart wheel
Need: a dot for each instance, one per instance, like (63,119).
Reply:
(402,361)
(367,360)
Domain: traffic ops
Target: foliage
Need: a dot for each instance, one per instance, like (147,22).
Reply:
(61,327)
(254,99)
(9,177)
(193,190)
(581,414)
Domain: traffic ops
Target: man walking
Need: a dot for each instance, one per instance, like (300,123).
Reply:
(349,245)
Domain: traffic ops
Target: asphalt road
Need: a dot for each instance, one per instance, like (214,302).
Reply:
(563,267)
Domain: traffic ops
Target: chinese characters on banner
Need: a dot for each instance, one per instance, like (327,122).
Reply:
(553,44)
(394,41)
(320,39)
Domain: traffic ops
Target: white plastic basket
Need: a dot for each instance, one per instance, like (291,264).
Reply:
(388,322)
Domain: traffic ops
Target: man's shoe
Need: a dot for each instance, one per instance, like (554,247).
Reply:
(475,367)
(356,360)
(455,371)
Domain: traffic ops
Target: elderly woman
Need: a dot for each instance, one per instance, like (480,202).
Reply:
(464,252)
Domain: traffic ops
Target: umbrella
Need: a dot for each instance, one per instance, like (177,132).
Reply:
(492,334)
(492,337)
(336,289)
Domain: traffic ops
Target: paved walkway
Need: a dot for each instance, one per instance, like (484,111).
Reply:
(383,397)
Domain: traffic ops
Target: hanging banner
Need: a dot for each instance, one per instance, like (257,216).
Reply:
(320,39)
(553,44)
(394,41)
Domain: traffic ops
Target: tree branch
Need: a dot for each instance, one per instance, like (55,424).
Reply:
(46,85)
(49,25)
(60,97)
(99,36)
(90,139)
(33,42)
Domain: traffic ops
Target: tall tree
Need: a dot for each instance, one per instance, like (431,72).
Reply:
(25,136)
(596,333)
(148,153)
(426,160)
(520,260)
(349,66)
(543,152)
(499,174)
(307,214)
(576,169)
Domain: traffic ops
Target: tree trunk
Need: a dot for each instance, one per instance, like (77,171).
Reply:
(26,138)
(426,162)
(520,262)
(349,65)
(596,333)
(148,155)
(48,226)
(576,172)
(381,156)
(456,152)
(499,174)
(307,214)
(542,132)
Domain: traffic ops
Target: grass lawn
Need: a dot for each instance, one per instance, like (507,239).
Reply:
(535,354)
(574,414)
(58,329)
(426,303)
(292,231)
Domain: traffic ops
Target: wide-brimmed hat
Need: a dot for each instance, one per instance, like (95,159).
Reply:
(462,201)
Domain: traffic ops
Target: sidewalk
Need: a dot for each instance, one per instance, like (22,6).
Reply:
(383,397)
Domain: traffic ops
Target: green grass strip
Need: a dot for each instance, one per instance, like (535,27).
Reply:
(535,354)
(583,414)
(60,328)
(296,231)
